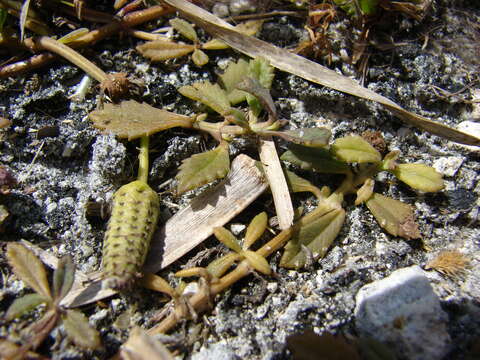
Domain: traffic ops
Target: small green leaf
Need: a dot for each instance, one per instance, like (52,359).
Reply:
(260,70)
(24,304)
(161,50)
(234,74)
(23,18)
(355,149)
(63,277)
(258,97)
(199,58)
(132,120)
(255,229)
(184,28)
(389,162)
(365,192)
(220,266)
(227,238)
(396,217)
(419,176)
(28,268)
(309,137)
(209,94)
(318,234)
(80,331)
(200,169)
(215,44)
(299,184)
(317,159)
(73,35)
(258,262)
(368,7)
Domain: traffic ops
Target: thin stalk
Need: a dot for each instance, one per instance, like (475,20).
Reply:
(143,159)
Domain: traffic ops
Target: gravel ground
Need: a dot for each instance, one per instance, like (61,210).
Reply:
(57,175)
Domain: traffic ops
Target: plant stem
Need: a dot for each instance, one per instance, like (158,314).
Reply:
(143,159)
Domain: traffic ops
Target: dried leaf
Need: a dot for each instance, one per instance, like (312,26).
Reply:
(209,94)
(310,137)
(24,304)
(258,97)
(63,278)
(299,184)
(394,216)
(28,268)
(220,266)
(23,18)
(227,238)
(234,74)
(365,191)
(184,28)
(419,176)
(200,169)
(161,50)
(156,283)
(132,120)
(258,262)
(309,70)
(316,159)
(355,149)
(199,58)
(317,235)
(141,346)
(80,331)
(255,229)
(451,263)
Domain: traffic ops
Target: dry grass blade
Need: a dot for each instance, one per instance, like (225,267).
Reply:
(23,18)
(309,70)
(28,268)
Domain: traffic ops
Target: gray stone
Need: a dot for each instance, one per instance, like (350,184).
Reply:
(403,311)
(216,351)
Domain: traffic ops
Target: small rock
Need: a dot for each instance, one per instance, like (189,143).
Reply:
(448,166)
(461,199)
(403,311)
(216,351)
(236,229)
(472,128)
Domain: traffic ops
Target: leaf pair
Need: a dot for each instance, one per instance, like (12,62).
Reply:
(28,268)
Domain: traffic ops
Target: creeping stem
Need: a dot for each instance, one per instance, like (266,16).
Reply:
(143,159)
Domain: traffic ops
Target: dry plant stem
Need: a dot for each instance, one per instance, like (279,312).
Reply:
(143,159)
(130,20)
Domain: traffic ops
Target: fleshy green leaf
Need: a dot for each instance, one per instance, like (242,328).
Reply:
(132,120)
(396,217)
(299,184)
(419,176)
(161,50)
(199,58)
(184,28)
(317,159)
(310,137)
(209,94)
(260,70)
(365,191)
(355,149)
(80,331)
(255,229)
(227,238)
(389,162)
(258,262)
(63,277)
(24,304)
(200,169)
(317,235)
(368,7)
(234,74)
(28,268)
(215,44)
(220,266)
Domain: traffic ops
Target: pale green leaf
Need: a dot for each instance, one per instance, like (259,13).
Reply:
(63,277)
(255,229)
(365,191)
(419,176)
(24,304)
(199,58)
(258,262)
(23,18)
(299,184)
(215,44)
(355,149)
(28,268)
(200,169)
(220,266)
(258,97)
(233,75)
(317,235)
(316,159)
(309,137)
(396,217)
(132,120)
(80,331)
(389,162)
(260,70)
(161,50)
(73,35)
(184,28)
(227,238)
(209,94)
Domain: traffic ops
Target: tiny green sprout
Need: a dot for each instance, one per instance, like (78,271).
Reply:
(28,268)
